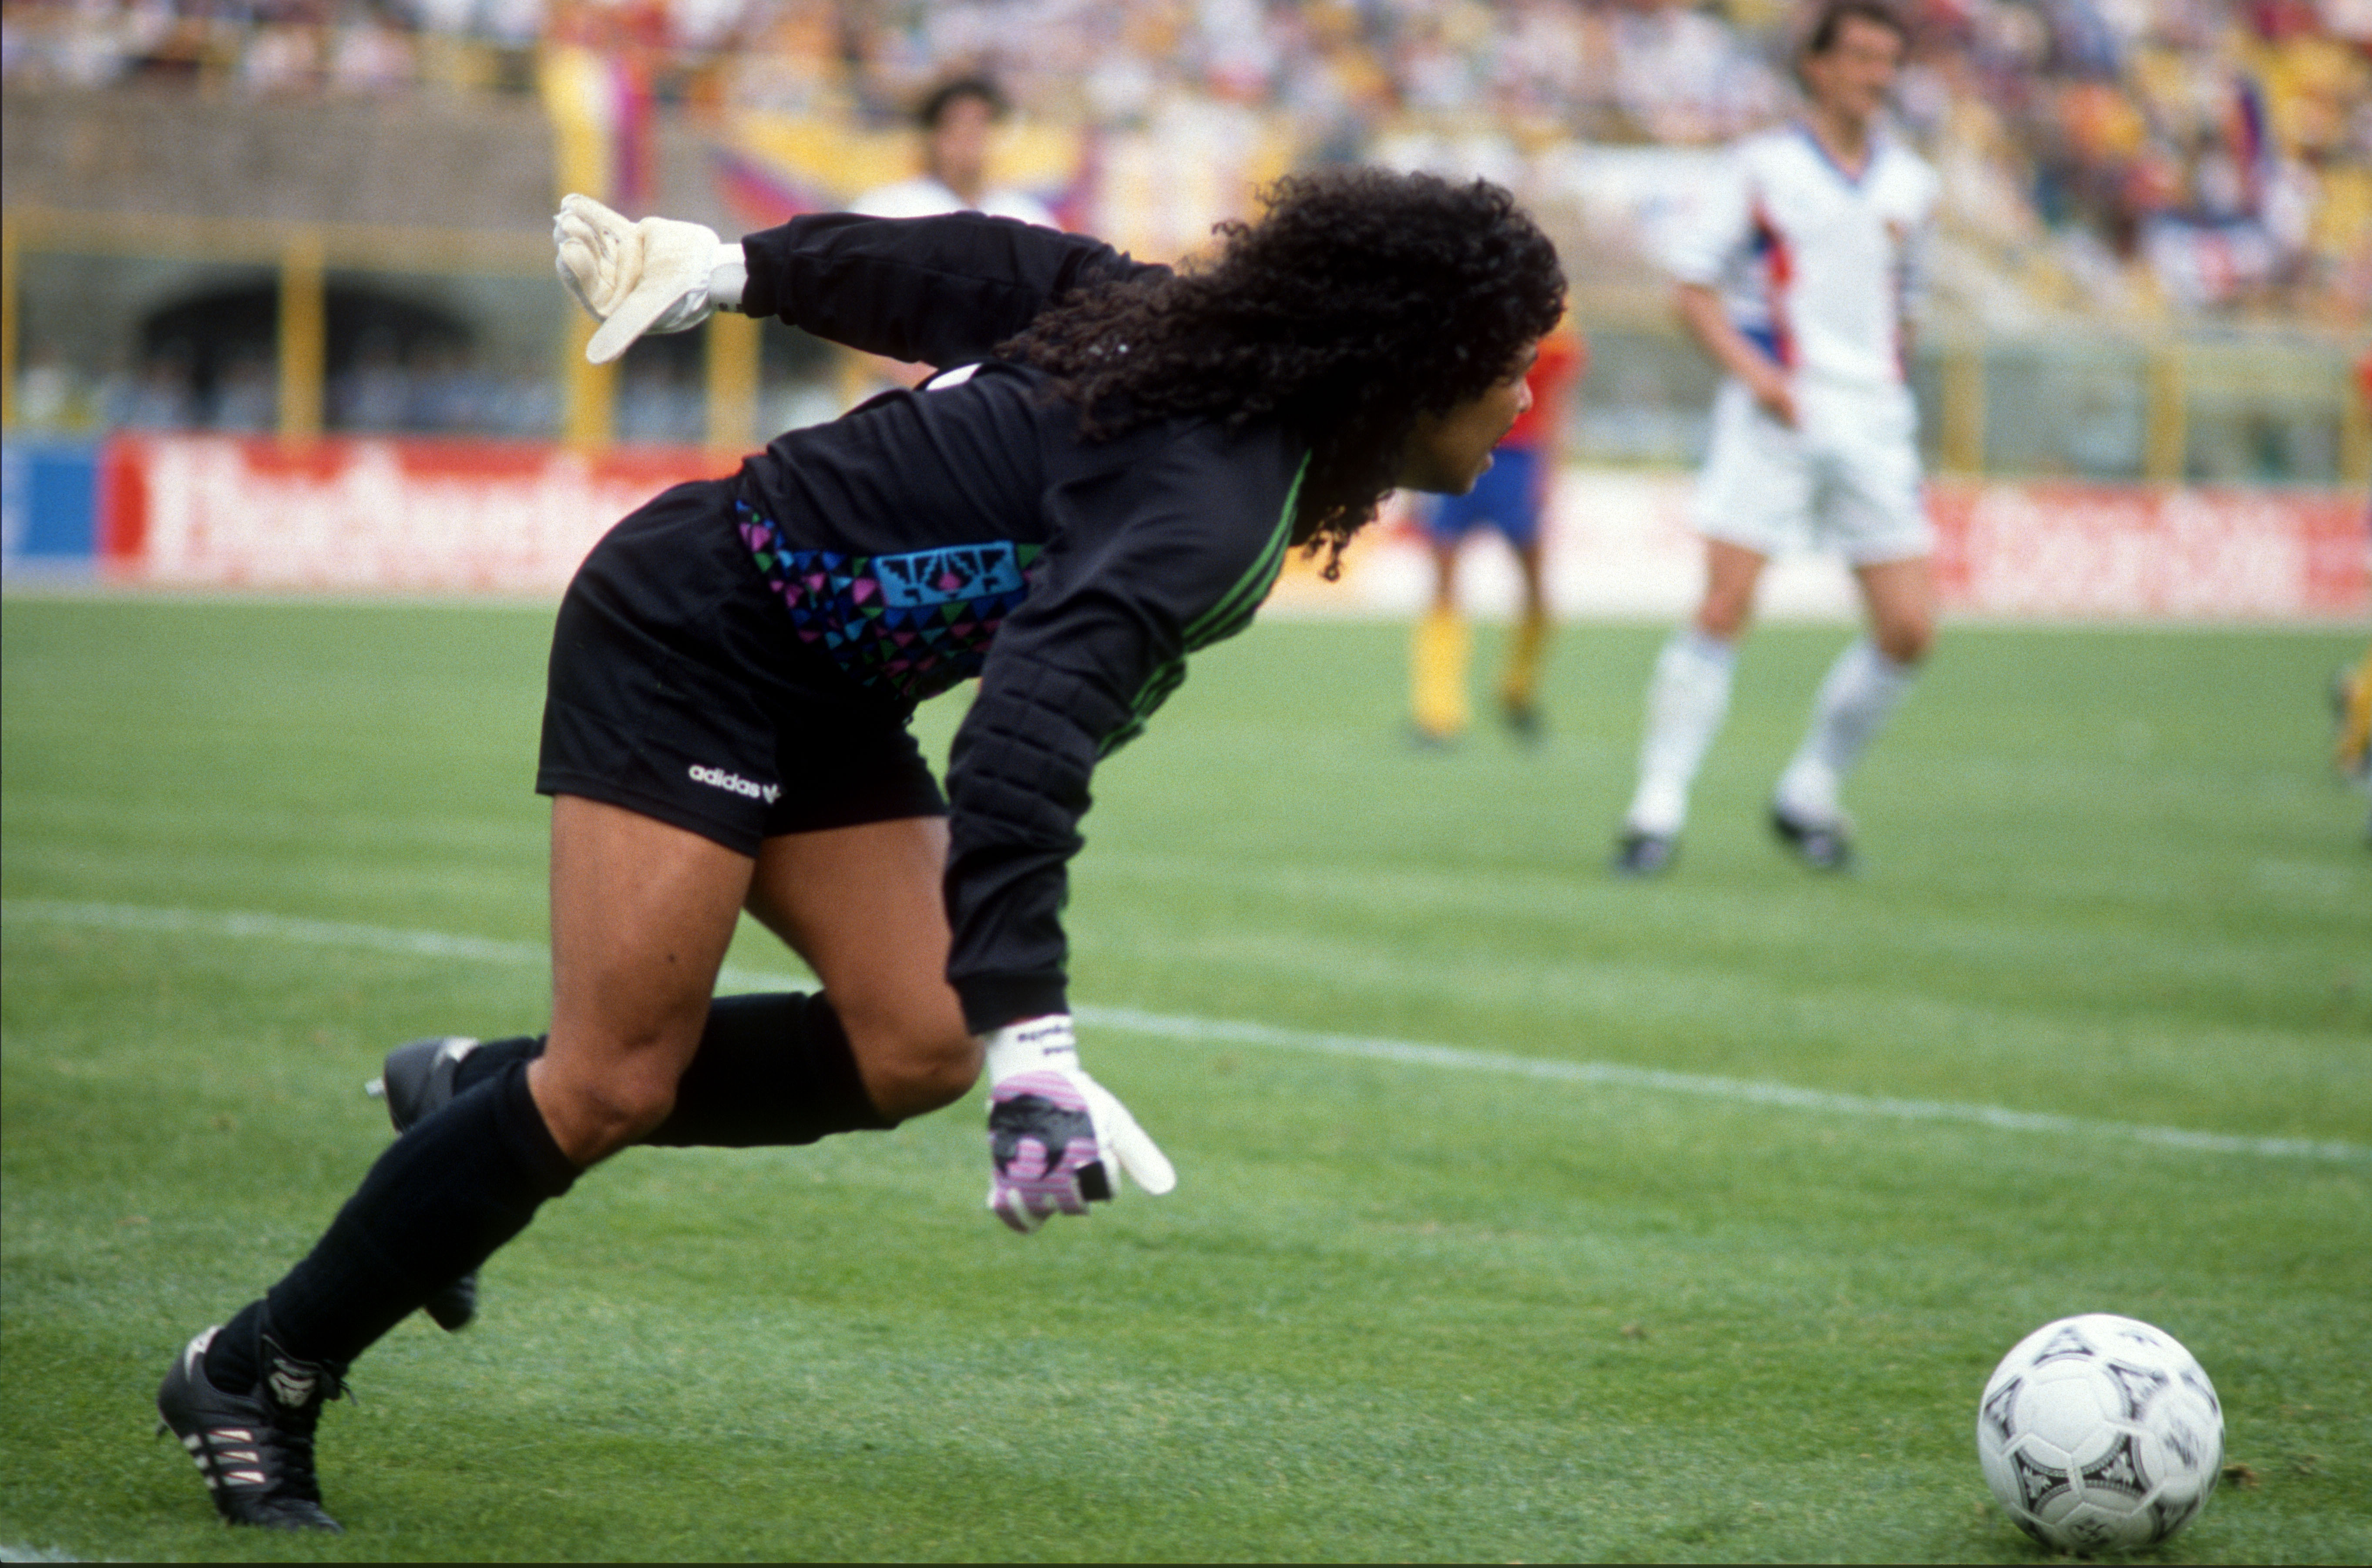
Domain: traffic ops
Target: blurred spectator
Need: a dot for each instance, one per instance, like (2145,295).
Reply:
(49,396)
(955,120)
(659,403)
(2104,153)
(374,392)
(247,395)
(372,55)
(160,395)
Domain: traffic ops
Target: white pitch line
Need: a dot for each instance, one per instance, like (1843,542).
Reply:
(1219,1031)
(1705,1085)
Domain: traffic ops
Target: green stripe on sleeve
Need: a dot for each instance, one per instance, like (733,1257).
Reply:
(1224,619)
(1253,586)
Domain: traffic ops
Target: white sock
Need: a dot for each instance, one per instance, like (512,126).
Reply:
(1686,702)
(1860,690)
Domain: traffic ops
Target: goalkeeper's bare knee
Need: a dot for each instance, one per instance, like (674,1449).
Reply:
(593,1115)
(914,1065)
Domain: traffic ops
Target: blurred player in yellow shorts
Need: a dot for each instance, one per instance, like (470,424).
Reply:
(2350,744)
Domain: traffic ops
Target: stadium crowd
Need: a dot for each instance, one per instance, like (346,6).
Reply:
(2126,158)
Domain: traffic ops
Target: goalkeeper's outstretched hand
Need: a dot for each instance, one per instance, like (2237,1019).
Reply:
(1057,1139)
(656,275)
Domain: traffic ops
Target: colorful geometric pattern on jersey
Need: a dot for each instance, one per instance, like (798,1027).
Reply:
(894,524)
(915,623)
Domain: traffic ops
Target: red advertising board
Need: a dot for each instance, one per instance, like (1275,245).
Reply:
(2055,549)
(404,515)
(461,516)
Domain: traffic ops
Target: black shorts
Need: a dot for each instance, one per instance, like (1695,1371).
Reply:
(677,689)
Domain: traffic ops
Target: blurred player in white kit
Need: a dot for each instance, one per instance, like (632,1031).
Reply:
(958,120)
(1800,277)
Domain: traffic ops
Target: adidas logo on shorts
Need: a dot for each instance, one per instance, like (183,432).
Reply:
(735,783)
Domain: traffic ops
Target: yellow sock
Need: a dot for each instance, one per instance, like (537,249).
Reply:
(1438,674)
(2354,742)
(1520,685)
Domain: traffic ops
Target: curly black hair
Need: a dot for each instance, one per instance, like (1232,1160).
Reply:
(1360,302)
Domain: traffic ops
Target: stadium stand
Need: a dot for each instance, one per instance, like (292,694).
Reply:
(2147,167)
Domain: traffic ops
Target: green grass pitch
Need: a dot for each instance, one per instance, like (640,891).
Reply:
(1396,1308)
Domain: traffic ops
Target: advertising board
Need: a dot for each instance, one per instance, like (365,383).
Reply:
(514,518)
(447,517)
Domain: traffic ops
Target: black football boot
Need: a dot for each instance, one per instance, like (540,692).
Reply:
(254,1449)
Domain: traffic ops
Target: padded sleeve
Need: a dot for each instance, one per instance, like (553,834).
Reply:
(1158,553)
(940,291)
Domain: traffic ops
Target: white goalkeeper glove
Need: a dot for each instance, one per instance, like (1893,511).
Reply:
(1057,1139)
(658,275)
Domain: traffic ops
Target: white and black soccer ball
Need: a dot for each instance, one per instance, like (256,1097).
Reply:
(2101,1434)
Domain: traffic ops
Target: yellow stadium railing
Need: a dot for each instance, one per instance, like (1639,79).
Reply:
(2177,373)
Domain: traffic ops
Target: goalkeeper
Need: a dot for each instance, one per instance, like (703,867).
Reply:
(1105,476)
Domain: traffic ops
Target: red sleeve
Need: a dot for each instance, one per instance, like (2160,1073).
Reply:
(1564,356)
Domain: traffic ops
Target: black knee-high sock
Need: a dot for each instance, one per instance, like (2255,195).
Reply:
(771,1069)
(436,1205)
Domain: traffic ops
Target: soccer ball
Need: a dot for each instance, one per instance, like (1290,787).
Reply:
(2100,1434)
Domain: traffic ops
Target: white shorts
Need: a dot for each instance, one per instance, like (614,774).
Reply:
(1846,478)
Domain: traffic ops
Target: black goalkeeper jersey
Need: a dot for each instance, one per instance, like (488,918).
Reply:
(968,528)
